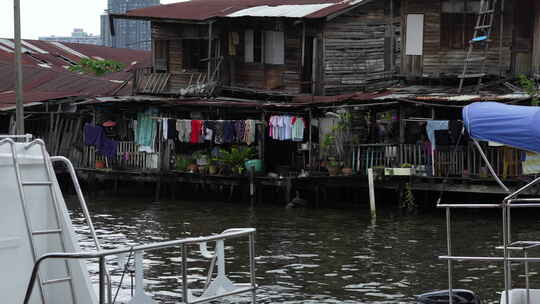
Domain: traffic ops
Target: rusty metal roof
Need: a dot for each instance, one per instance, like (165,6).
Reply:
(43,84)
(201,10)
(61,55)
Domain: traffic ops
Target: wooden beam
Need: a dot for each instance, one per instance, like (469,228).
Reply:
(209,51)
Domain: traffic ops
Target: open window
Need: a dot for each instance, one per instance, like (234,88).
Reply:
(458,19)
(195,54)
(264,47)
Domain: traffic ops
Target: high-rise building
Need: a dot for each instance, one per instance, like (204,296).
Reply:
(131,34)
(77,36)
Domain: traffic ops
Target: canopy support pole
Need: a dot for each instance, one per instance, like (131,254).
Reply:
(490,167)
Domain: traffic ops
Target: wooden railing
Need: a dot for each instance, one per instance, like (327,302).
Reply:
(465,161)
(127,157)
(191,83)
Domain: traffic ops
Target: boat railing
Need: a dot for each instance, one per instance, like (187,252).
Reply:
(216,288)
(509,202)
(26,137)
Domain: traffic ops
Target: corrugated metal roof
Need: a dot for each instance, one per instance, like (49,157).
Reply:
(201,10)
(42,84)
(62,55)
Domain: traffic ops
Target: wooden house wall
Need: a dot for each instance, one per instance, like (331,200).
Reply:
(234,70)
(174,34)
(436,60)
(355,46)
(282,77)
(536,39)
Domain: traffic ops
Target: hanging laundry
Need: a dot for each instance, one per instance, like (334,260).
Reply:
(209,128)
(282,127)
(165,127)
(196,126)
(287,125)
(172,132)
(95,136)
(202,132)
(146,130)
(250,132)
(239,128)
(219,132)
(434,125)
(298,126)
(228,132)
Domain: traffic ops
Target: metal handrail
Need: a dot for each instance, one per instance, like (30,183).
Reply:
(82,202)
(84,207)
(228,234)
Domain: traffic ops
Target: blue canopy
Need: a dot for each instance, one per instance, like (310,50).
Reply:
(516,126)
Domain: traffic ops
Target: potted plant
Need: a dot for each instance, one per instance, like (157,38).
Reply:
(235,158)
(213,166)
(404,170)
(182,162)
(333,167)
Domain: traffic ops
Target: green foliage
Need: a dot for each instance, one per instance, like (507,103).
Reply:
(182,161)
(339,137)
(96,67)
(530,87)
(236,157)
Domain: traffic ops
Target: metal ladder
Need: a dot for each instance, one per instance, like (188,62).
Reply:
(58,231)
(480,41)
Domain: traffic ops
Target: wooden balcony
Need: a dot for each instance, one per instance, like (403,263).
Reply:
(190,83)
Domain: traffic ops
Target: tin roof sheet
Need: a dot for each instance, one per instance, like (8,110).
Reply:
(43,84)
(61,55)
(201,10)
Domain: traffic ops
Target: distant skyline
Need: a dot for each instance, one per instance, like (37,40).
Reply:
(42,18)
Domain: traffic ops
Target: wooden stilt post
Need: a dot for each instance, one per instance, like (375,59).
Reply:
(371,193)
(252,185)
(288,190)
(158,188)
(116,190)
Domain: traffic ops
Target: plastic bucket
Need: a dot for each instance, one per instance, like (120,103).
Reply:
(256,164)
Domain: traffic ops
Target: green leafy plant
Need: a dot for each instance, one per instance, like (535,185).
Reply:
(530,87)
(336,142)
(97,67)
(182,162)
(406,165)
(235,158)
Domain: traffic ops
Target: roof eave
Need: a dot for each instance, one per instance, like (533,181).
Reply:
(346,10)
(164,20)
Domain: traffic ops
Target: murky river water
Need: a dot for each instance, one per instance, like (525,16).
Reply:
(309,255)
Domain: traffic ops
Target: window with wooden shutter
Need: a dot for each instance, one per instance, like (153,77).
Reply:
(161,55)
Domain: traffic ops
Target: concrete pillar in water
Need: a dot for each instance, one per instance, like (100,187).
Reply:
(371,193)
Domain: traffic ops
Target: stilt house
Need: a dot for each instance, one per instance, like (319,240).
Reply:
(441,37)
(316,47)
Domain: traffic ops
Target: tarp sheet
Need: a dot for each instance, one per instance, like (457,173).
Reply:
(515,126)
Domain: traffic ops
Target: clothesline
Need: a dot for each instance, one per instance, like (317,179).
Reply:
(210,120)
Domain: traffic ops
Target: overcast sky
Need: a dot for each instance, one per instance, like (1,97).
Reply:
(53,17)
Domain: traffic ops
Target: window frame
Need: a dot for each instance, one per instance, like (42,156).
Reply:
(260,47)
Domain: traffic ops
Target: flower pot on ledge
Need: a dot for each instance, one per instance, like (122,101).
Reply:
(399,171)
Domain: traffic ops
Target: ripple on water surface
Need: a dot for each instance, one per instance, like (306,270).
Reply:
(303,255)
